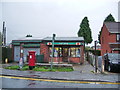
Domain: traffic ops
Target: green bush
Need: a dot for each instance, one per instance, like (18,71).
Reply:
(98,52)
(12,67)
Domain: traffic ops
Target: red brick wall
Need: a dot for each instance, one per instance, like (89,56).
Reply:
(56,59)
(45,51)
(74,59)
(82,55)
(106,38)
(70,59)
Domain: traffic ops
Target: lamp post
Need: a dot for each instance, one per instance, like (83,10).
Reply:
(53,39)
(95,56)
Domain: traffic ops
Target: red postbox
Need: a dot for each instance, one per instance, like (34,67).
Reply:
(32,59)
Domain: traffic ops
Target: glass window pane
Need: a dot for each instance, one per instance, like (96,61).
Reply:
(50,51)
(56,52)
(60,52)
(77,52)
(73,53)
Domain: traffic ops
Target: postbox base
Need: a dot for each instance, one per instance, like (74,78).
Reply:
(31,67)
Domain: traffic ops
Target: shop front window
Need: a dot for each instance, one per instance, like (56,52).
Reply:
(62,52)
(74,52)
(50,51)
(77,52)
(57,52)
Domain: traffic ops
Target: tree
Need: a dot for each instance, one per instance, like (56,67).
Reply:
(85,31)
(99,36)
(109,18)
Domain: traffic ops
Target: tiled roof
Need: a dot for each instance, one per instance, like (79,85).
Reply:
(64,39)
(113,27)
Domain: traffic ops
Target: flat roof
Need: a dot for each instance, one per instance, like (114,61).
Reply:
(27,39)
(64,39)
(38,40)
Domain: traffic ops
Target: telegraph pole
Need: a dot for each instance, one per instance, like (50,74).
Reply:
(4,35)
(53,39)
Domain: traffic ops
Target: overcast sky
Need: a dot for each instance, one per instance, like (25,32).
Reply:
(42,18)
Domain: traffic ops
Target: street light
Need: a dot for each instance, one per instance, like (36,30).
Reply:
(95,56)
(53,39)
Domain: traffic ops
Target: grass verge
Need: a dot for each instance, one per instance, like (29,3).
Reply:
(42,68)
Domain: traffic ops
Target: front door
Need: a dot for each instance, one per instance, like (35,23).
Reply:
(16,53)
(65,54)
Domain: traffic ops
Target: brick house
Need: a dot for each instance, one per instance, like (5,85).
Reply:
(66,49)
(110,38)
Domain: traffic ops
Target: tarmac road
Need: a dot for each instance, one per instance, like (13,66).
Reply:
(33,79)
(21,82)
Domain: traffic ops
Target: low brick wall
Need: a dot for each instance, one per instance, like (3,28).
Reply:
(74,59)
(56,59)
(70,59)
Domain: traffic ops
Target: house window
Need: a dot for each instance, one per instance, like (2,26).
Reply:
(118,37)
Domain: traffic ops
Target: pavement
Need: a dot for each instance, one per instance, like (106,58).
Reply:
(83,72)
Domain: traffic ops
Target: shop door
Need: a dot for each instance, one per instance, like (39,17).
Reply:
(65,54)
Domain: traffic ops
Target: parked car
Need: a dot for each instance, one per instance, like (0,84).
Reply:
(112,62)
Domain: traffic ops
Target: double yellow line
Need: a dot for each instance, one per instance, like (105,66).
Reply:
(62,81)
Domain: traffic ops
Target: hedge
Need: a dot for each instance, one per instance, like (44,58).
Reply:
(6,53)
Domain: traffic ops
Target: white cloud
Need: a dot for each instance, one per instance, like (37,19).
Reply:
(44,17)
